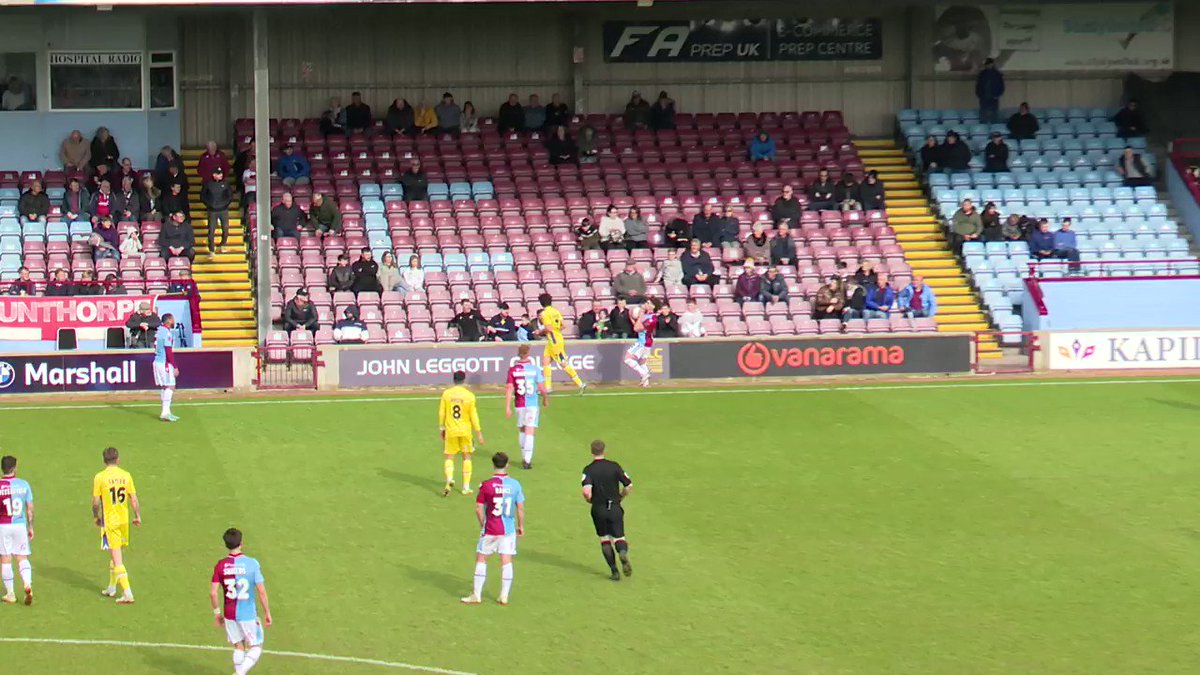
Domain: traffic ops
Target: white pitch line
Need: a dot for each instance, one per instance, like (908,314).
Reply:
(716,391)
(213,648)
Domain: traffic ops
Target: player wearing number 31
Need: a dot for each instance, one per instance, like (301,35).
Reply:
(500,508)
(113,494)
(457,418)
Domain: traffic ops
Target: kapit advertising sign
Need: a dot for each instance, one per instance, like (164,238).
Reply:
(1121,350)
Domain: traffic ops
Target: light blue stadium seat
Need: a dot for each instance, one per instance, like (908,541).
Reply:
(8,210)
(991,195)
(1004,180)
(973,248)
(55,194)
(483,189)
(961,180)
(1122,195)
(432,262)
(392,190)
(455,262)
(438,191)
(460,190)
(9,194)
(369,190)
(908,116)
(502,261)
(11,228)
(371,206)
(987,282)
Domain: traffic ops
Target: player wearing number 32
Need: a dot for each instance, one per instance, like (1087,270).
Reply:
(233,605)
(500,508)
(113,494)
(457,418)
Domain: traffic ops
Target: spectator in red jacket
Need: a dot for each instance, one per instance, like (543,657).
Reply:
(213,158)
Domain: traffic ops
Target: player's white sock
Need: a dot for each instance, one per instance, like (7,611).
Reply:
(521,443)
(239,656)
(166,402)
(633,364)
(643,370)
(6,573)
(248,662)
(480,577)
(26,573)
(527,448)
(506,578)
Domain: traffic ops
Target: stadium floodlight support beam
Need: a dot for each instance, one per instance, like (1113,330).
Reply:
(262,170)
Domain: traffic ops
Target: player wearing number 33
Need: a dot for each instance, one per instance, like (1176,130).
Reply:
(233,604)
(457,418)
(500,508)
(113,494)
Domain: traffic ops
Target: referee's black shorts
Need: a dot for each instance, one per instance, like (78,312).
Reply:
(609,522)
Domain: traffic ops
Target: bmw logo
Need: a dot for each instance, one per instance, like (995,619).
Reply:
(8,375)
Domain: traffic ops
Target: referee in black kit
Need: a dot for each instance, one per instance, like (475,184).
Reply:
(605,485)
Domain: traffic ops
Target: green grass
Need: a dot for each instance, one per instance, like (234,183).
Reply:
(1010,529)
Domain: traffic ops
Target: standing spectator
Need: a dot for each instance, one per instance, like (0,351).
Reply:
(966,224)
(103,203)
(637,230)
(917,300)
(502,327)
(358,114)
(856,300)
(995,154)
(425,119)
(955,154)
(213,158)
(142,324)
(162,162)
(558,114)
(18,95)
(731,229)
(293,168)
(698,266)
(389,272)
(324,216)
(105,241)
(535,114)
(104,149)
(774,287)
(1066,246)
(706,226)
(691,323)
(787,206)
(783,247)
(449,115)
(637,113)
(470,119)
(177,239)
(175,176)
(620,324)
(216,197)
(24,284)
(412,278)
(748,285)
(1129,120)
(756,246)
(670,270)
(668,323)
(131,243)
(150,200)
(76,201)
(176,199)
(400,118)
(101,175)
(511,117)
(469,322)
(612,229)
(1023,125)
(561,148)
(1132,169)
(351,329)
(415,182)
(871,193)
(762,147)
(829,300)
(126,205)
(366,273)
(300,313)
(845,193)
(286,218)
(59,285)
(126,170)
(34,204)
(75,152)
(333,120)
(992,228)
(340,277)
(662,114)
(879,298)
(821,193)
(593,324)
(989,87)
(931,155)
(587,235)
(677,233)
(630,284)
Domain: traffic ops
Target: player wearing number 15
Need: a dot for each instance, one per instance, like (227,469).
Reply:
(500,508)
(457,418)
(233,604)
(113,494)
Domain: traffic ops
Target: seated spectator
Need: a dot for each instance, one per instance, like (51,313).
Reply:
(131,243)
(966,224)
(558,114)
(415,182)
(412,278)
(113,286)
(856,299)
(324,216)
(182,284)
(668,323)
(588,144)
(103,204)
(175,200)
(1129,120)
(300,313)
(150,200)
(1132,169)
(995,154)
(707,226)
(350,329)
(1011,230)
(917,299)
(731,229)
(593,324)
(757,247)
(1023,125)
(126,204)
(829,300)
(698,266)
(75,201)
(340,277)
(845,193)
(75,153)
(23,285)
(366,273)
(333,120)
(820,193)
(691,322)
(469,322)
(502,327)
(293,168)
(1041,241)
(104,149)
(105,241)
(162,163)
(992,228)
(286,218)
(783,247)
(1066,246)
(630,284)
(787,206)
(34,204)
(955,154)
(177,240)
(561,148)
(662,113)
(670,271)
(677,233)
(587,235)
(931,155)
(142,324)
(871,193)
(865,275)
(620,323)
(469,122)
(425,119)
(511,117)
(526,330)
(879,298)
(762,148)
(612,229)
(358,114)
(637,113)
(389,272)
(400,118)
(59,285)
(774,287)
(535,114)
(748,285)
(637,230)
(213,159)
(449,115)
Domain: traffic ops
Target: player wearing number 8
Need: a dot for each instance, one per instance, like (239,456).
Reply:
(233,604)
(113,493)
(500,508)
(457,418)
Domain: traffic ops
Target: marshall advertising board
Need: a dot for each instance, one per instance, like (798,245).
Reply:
(111,371)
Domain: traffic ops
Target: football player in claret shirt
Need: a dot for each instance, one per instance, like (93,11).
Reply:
(525,390)
(165,370)
(555,351)
(457,418)
(113,493)
(236,580)
(16,529)
(645,322)
(500,508)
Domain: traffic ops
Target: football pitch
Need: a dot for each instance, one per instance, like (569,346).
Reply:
(996,527)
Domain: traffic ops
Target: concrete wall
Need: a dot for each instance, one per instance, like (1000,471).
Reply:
(1115,303)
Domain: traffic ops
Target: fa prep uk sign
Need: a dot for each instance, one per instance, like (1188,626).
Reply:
(716,40)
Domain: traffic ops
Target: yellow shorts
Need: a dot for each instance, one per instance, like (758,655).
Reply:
(457,444)
(555,351)
(116,536)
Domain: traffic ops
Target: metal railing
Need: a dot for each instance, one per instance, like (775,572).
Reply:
(1024,342)
(284,367)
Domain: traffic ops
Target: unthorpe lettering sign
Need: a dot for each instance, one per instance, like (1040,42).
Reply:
(95,58)
(40,318)
(743,40)
(844,356)
(110,371)
(1125,350)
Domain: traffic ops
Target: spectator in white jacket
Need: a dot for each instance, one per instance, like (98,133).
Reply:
(691,322)
(612,229)
(412,278)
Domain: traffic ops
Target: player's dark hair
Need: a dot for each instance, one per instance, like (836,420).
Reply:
(597,447)
(656,303)
(233,538)
(111,455)
(500,460)
(460,376)
(8,464)
(545,299)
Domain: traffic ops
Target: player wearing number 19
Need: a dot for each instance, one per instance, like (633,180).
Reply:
(500,508)
(457,418)
(16,529)
(113,493)
(233,605)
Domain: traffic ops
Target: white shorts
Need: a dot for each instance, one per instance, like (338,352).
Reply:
(528,417)
(244,631)
(164,375)
(638,352)
(504,544)
(14,539)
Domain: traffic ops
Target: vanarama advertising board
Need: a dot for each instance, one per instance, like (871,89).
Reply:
(838,356)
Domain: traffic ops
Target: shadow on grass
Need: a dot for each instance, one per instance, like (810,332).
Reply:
(443,581)
(167,662)
(1180,405)
(555,560)
(423,482)
(71,577)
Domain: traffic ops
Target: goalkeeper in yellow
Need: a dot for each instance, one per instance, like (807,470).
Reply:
(555,352)
(113,494)
(457,418)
